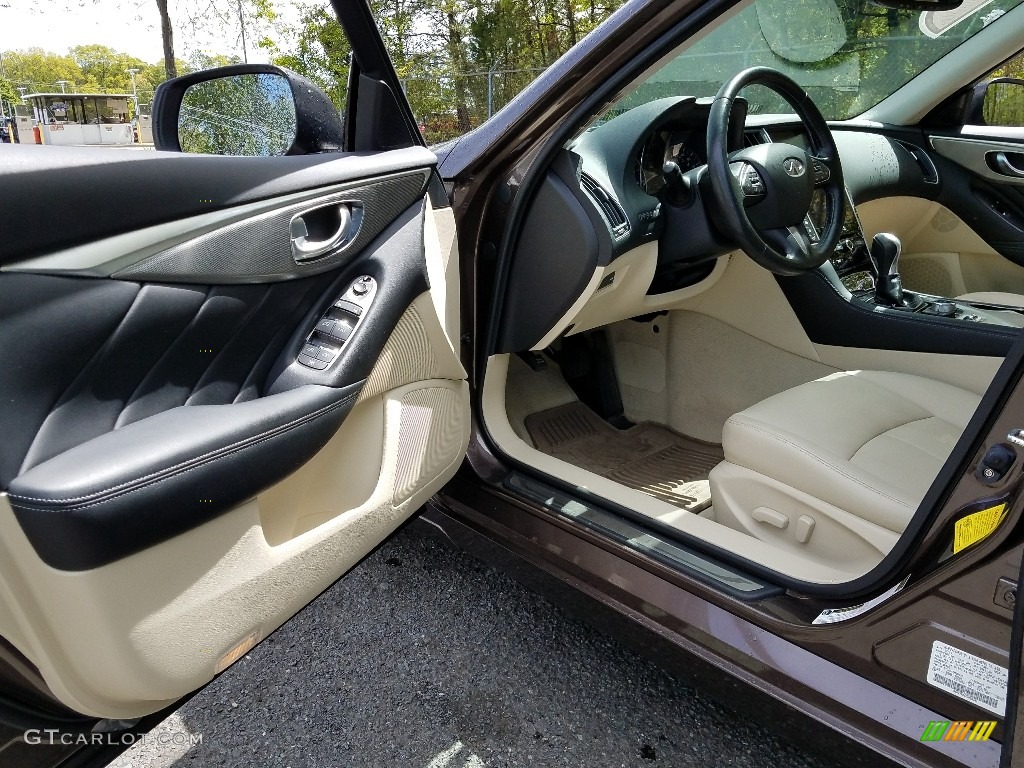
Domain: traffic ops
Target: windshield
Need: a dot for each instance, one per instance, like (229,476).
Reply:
(847,54)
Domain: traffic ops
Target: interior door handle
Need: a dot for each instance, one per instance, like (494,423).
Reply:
(317,232)
(1005,166)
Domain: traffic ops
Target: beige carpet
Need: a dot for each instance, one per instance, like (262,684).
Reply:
(648,457)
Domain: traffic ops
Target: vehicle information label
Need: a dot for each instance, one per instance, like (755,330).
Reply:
(968,677)
(973,528)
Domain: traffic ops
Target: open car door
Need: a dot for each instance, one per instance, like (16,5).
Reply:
(223,381)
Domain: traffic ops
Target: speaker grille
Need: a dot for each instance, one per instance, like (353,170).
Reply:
(406,357)
(429,438)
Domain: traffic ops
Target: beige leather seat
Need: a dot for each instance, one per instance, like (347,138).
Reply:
(838,466)
(994,297)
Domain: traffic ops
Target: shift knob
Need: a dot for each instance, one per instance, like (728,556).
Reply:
(885,255)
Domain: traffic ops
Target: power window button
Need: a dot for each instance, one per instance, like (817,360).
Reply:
(312,362)
(349,306)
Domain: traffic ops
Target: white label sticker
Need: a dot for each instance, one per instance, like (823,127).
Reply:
(833,615)
(968,677)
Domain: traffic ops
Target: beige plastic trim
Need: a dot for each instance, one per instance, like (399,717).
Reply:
(937,241)
(835,536)
(127,639)
(442,254)
(627,295)
(793,564)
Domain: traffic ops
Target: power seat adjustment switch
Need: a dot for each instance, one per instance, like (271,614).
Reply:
(336,326)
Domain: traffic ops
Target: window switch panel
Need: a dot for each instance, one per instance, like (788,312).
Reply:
(325,342)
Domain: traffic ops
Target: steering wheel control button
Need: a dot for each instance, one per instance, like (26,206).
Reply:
(750,181)
(820,171)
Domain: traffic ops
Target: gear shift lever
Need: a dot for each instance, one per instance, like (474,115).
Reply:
(885,254)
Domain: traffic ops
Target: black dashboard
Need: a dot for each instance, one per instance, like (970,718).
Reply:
(621,161)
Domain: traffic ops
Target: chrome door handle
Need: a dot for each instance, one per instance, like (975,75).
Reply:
(1005,166)
(306,247)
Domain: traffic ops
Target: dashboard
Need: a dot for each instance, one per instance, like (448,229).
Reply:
(621,160)
(605,238)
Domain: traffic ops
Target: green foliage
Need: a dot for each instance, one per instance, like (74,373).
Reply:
(449,54)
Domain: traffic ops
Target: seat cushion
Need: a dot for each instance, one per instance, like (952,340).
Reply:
(868,442)
(994,297)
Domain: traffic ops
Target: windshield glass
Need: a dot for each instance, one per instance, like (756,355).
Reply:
(847,54)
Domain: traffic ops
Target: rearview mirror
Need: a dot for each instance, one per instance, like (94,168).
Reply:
(245,109)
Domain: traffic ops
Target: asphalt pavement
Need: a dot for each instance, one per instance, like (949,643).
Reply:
(424,657)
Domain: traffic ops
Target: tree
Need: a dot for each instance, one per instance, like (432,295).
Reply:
(167,36)
(40,70)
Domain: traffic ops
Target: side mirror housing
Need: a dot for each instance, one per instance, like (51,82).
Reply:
(245,109)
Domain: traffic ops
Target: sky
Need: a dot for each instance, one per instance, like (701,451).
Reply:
(131,26)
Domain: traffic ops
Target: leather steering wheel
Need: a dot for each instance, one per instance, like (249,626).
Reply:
(763,193)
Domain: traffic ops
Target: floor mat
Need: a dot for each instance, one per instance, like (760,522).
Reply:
(648,457)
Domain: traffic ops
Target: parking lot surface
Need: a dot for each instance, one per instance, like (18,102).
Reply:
(424,657)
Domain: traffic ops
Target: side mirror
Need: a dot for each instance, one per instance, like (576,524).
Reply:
(998,102)
(245,109)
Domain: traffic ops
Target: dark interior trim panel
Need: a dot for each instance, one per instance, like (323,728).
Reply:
(831,318)
(132,190)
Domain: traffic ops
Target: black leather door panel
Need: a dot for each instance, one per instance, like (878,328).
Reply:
(136,486)
(136,410)
(175,345)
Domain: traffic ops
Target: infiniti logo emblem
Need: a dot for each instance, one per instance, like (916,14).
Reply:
(793,167)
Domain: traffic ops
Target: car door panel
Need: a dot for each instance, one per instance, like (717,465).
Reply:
(962,230)
(176,484)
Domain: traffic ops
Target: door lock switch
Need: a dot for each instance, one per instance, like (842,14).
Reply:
(338,323)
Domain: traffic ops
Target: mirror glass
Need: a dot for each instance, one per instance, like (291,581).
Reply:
(1004,104)
(250,114)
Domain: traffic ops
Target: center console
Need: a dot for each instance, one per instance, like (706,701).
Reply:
(869,274)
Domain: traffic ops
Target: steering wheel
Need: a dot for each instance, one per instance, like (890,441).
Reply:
(763,193)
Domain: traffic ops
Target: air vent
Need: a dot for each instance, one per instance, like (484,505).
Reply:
(609,206)
(756,136)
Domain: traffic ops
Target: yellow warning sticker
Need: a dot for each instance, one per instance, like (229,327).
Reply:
(977,526)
